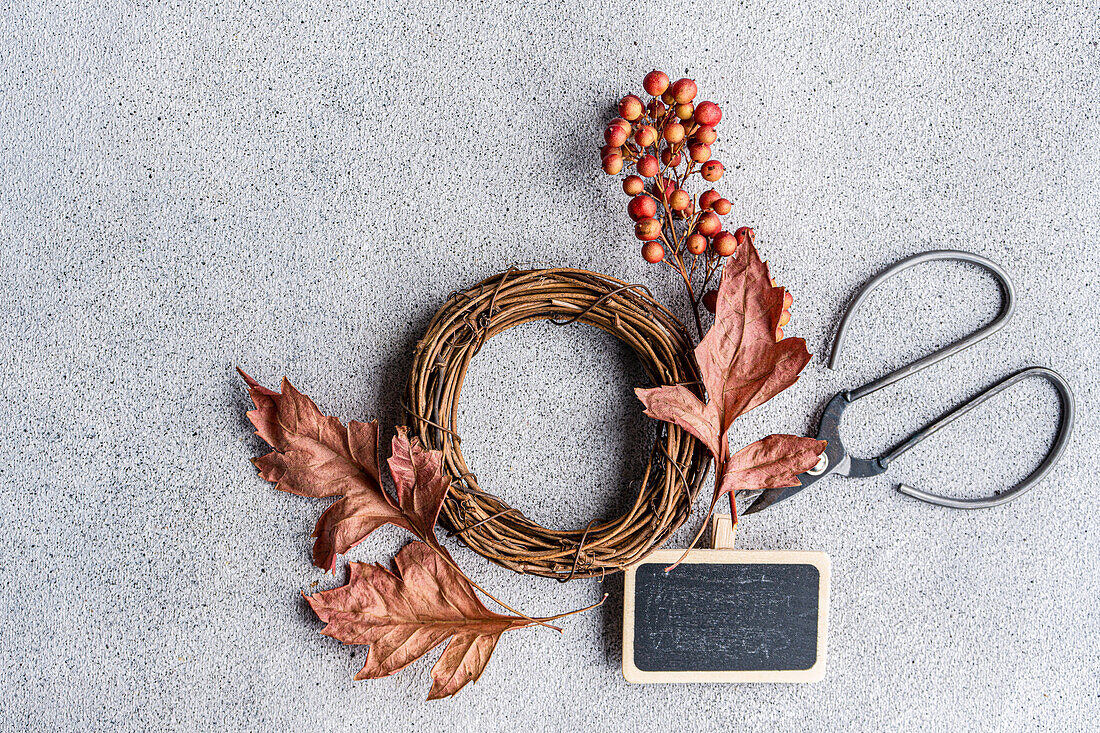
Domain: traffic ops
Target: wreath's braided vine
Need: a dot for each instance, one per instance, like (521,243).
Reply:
(677,464)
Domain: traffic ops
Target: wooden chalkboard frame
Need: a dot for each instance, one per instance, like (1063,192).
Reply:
(666,557)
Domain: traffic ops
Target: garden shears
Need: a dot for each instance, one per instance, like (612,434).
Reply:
(836,459)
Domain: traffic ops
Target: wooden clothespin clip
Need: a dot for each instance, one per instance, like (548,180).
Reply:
(723,532)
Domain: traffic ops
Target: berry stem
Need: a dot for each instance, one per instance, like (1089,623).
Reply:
(690,292)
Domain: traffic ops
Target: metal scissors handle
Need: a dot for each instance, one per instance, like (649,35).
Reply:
(836,458)
(1065,427)
(1008,308)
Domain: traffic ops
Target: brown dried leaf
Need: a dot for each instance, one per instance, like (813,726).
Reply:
(421,484)
(316,456)
(771,463)
(677,404)
(351,520)
(742,364)
(404,615)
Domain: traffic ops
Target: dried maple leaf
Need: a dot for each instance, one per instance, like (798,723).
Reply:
(421,483)
(677,404)
(771,463)
(742,366)
(404,615)
(316,456)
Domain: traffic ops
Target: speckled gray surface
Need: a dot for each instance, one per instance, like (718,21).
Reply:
(189,186)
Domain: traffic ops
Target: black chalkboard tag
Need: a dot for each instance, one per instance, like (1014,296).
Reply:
(726,615)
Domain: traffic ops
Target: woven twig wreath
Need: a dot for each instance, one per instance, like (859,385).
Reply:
(677,463)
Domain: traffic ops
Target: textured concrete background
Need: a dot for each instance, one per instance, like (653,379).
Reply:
(189,186)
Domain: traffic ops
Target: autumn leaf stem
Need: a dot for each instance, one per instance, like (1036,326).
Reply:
(433,543)
(718,476)
(597,604)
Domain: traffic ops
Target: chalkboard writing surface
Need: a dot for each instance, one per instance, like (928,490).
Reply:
(726,616)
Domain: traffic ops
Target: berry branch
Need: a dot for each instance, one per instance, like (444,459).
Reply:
(668,140)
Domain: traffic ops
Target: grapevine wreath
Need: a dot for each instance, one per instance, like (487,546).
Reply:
(740,362)
(677,463)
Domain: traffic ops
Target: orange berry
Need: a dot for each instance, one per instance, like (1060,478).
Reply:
(696,244)
(706,134)
(667,98)
(645,136)
(647,229)
(684,111)
(712,170)
(648,166)
(707,199)
(653,252)
(724,244)
(708,224)
(679,200)
(655,82)
(669,159)
(708,113)
(641,207)
(633,185)
(722,206)
(616,134)
(612,164)
(674,133)
(700,153)
(744,233)
(631,107)
(684,90)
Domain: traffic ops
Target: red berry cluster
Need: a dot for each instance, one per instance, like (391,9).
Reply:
(668,139)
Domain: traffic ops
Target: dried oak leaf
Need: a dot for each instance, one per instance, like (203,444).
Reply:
(404,615)
(316,456)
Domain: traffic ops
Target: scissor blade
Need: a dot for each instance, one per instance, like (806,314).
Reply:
(773,496)
(828,464)
(833,460)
